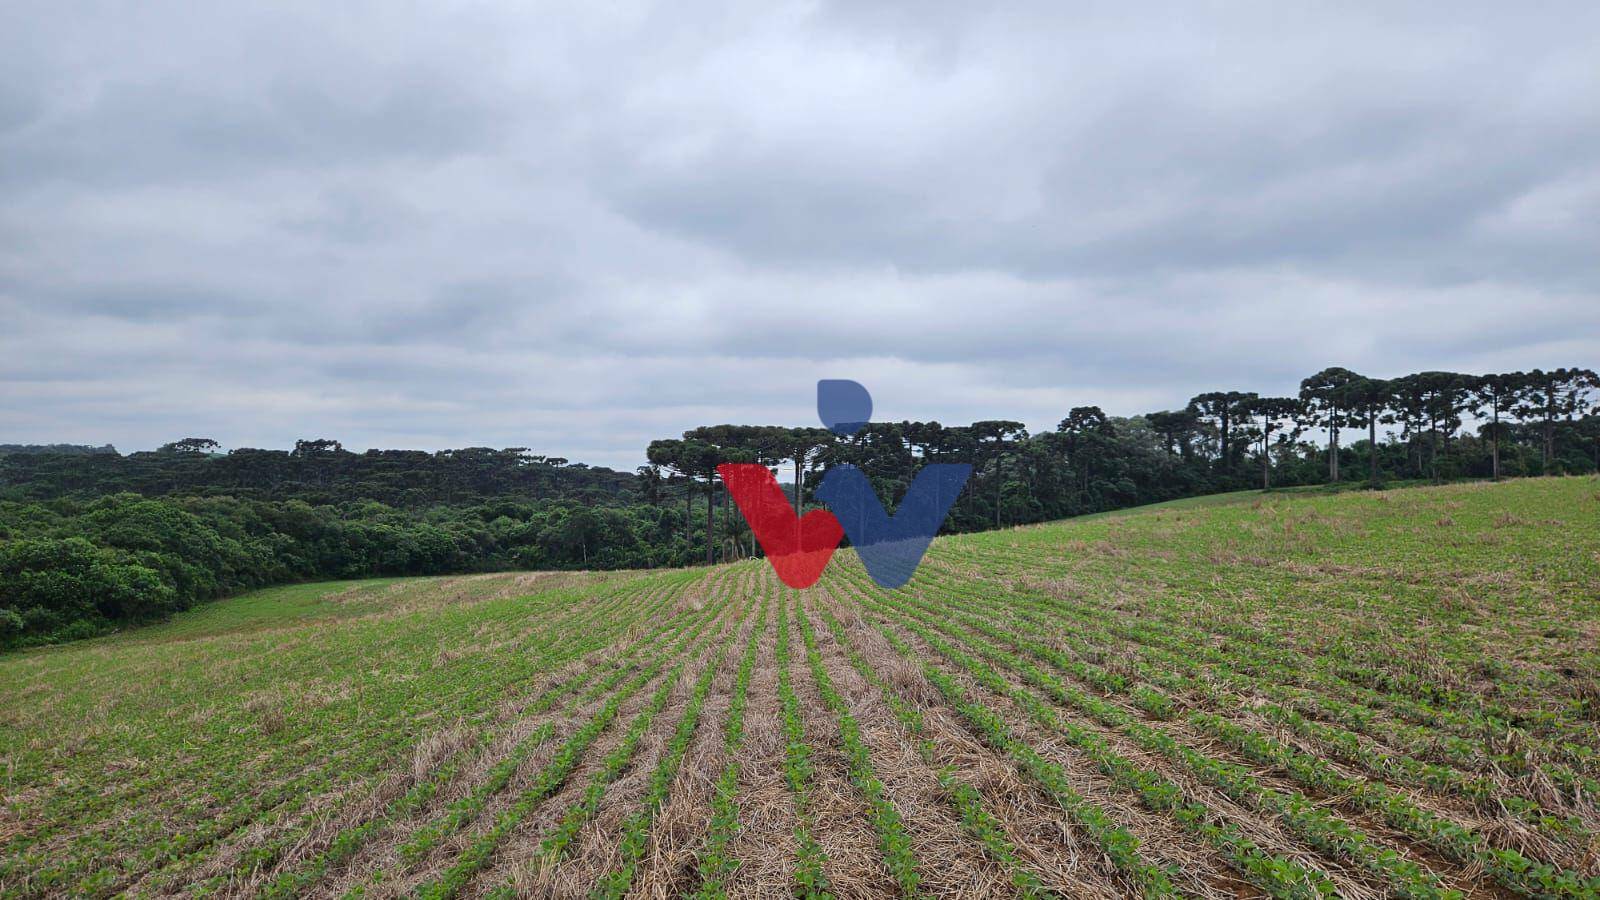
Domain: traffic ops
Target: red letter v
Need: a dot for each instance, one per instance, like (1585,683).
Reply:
(797,546)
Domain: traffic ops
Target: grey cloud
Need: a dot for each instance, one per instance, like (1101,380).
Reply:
(174,130)
(354,216)
(1346,154)
(580,228)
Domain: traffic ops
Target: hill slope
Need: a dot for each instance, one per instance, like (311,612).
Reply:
(1363,694)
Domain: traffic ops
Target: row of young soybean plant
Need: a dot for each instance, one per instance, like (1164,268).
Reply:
(963,798)
(890,829)
(635,832)
(220,769)
(581,638)
(715,863)
(1499,697)
(1561,838)
(1378,745)
(638,660)
(1280,876)
(1522,872)
(99,791)
(1396,708)
(810,879)
(138,855)
(595,631)
(692,644)
(1299,814)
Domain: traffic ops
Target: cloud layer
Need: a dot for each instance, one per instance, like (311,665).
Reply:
(580,229)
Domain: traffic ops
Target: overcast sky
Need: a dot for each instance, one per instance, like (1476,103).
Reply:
(579,228)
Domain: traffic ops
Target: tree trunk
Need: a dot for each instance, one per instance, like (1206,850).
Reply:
(1266,463)
(1495,444)
(1372,438)
(1224,419)
(999,484)
(1336,453)
(1333,452)
(1433,447)
(711,497)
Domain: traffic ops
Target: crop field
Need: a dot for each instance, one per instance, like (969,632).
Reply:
(1369,694)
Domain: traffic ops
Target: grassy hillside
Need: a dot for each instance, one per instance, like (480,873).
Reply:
(1359,694)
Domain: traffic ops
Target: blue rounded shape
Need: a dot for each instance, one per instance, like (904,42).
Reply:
(843,405)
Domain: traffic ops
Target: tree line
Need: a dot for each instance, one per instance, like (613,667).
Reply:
(1414,427)
(318,471)
(93,541)
(72,569)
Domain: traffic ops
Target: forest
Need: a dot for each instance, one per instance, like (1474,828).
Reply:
(92,541)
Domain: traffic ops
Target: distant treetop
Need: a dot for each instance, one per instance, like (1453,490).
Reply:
(63,449)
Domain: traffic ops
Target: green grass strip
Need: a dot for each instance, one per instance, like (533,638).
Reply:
(1278,876)
(810,879)
(1119,845)
(349,841)
(1512,869)
(1174,670)
(895,844)
(715,862)
(547,782)
(636,831)
(982,825)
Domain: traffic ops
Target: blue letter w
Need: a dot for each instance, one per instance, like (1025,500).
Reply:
(891,548)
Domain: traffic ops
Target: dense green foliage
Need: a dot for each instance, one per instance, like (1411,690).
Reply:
(92,540)
(60,449)
(1532,423)
(319,472)
(70,569)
